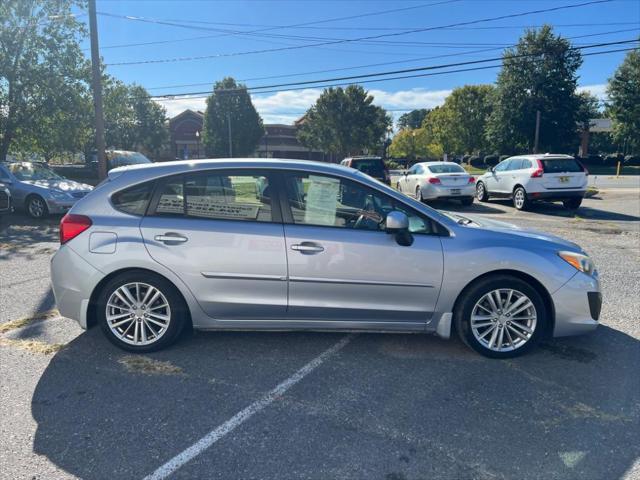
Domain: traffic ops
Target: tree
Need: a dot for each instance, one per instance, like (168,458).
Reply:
(438,129)
(588,109)
(471,107)
(624,102)
(538,74)
(344,121)
(133,121)
(412,119)
(230,106)
(42,71)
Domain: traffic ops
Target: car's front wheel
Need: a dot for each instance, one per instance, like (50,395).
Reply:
(141,312)
(36,207)
(572,203)
(481,192)
(500,316)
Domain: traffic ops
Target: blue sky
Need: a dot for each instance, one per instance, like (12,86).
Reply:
(233,27)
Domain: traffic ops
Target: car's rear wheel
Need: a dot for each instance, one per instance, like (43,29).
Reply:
(141,312)
(481,192)
(500,316)
(572,203)
(520,200)
(36,207)
(467,201)
(398,187)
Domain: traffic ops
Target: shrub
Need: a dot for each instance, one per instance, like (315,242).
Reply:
(476,161)
(491,160)
(613,158)
(503,157)
(632,160)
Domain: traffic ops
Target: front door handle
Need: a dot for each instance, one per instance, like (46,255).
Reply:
(170,238)
(307,248)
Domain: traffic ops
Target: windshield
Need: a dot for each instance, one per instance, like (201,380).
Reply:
(119,159)
(372,166)
(450,168)
(26,171)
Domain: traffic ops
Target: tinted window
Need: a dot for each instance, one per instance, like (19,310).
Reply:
(334,202)
(373,167)
(217,196)
(453,168)
(133,200)
(561,165)
(503,166)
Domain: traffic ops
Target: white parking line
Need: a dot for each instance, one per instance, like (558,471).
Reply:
(239,418)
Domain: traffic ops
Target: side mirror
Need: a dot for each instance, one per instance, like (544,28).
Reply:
(405,173)
(492,169)
(397,223)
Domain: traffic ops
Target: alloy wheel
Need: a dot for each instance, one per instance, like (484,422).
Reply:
(518,198)
(503,320)
(480,191)
(138,313)
(36,207)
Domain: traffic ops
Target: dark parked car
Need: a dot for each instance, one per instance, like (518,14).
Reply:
(372,166)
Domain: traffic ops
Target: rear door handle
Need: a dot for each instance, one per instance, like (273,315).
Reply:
(307,248)
(170,238)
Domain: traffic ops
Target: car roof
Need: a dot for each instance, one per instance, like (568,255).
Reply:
(429,164)
(546,156)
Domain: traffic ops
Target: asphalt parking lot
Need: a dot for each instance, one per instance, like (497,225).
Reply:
(370,406)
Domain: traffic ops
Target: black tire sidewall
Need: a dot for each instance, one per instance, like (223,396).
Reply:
(464,307)
(176,303)
(572,204)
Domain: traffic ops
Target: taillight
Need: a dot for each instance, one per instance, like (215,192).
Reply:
(73,225)
(435,180)
(537,173)
(472,179)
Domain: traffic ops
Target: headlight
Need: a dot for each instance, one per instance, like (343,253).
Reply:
(579,262)
(59,195)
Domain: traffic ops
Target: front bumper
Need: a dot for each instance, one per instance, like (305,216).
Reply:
(432,192)
(60,206)
(577,306)
(73,280)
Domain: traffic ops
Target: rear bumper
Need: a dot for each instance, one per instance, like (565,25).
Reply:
(560,195)
(577,306)
(73,280)
(432,192)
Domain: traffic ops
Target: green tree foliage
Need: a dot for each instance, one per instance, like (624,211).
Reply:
(412,119)
(133,121)
(438,129)
(539,73)
(588,109)
(344,122)
(624,97)
(42,75)
(230,103)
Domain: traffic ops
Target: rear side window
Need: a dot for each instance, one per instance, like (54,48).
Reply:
(526,164)
(133,200)
(561,165)
(216,195)
(516,164)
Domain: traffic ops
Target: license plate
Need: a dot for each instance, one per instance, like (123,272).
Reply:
(455,191)
(563,179)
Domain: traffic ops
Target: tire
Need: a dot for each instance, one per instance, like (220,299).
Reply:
(467,201)
(520,200)
(481,192)
(419,194)
(36,207)
(572,203)
(512,345)
(398,187)
(143,320)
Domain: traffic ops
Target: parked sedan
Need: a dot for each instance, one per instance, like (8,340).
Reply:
(277,244)
(39,190)
(438,181)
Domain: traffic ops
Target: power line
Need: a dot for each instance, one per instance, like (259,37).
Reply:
(370,37)
(408,70)
(470,52)
(472,69)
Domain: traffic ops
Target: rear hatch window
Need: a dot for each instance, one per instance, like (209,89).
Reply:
(561,165)
(373,167)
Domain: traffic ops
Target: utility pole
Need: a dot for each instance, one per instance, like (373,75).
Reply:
(229,130)
(96,85)
(537,136)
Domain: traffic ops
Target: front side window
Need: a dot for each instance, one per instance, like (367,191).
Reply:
(503,166)
(337,202)
(217,195)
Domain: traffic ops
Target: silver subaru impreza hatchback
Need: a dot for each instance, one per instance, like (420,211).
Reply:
(286,244)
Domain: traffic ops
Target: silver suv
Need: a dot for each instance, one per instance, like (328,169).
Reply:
(284,244)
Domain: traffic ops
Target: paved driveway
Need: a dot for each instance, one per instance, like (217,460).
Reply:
(321,405)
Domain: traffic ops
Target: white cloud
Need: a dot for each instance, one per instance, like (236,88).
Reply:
(286,107)
(599,90)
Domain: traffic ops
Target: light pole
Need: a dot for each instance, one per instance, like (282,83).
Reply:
(266,144)
(198,143)
(96,85)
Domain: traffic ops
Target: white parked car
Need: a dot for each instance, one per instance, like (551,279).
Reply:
(438,180)
(528,178)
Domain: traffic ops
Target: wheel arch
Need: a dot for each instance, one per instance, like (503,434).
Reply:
(544,293)
(91,309)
